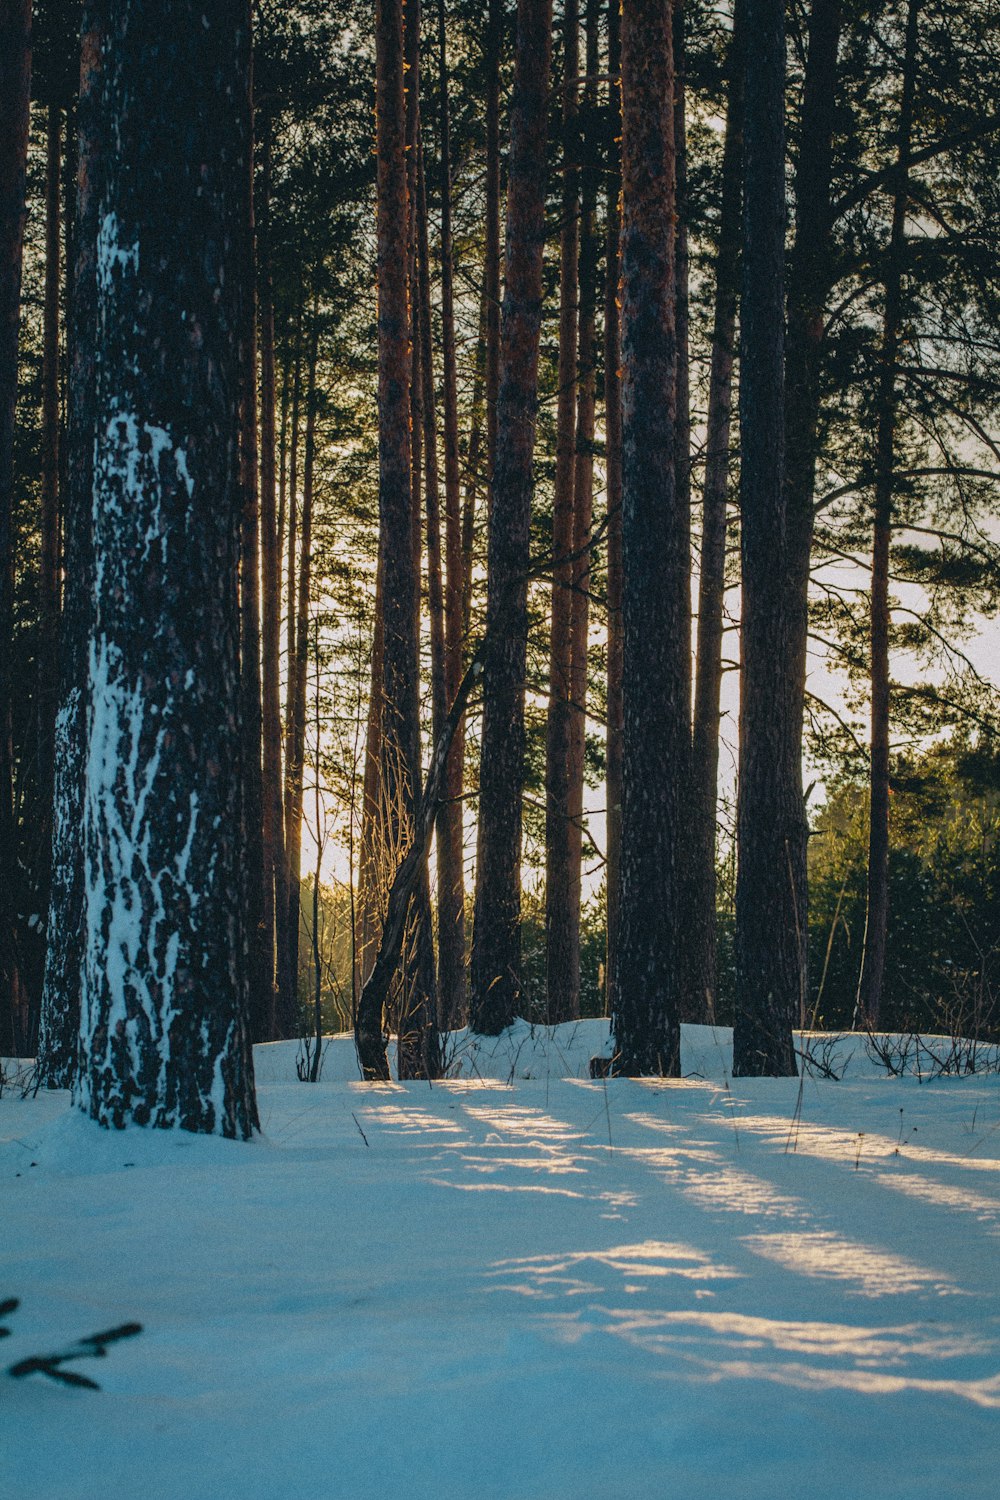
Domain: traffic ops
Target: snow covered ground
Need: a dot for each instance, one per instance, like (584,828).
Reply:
(518,1284)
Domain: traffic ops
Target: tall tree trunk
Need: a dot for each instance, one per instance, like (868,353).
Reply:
(281,1018)
(583,512)
(164,1037)
(496,946)
(292,516)
(655,563)
(769,926)
(260,955)
(287,973)
(704,780)
(877,902)
(450,835)
(811,274)
(613,482)
(562,955)
(48,573)
(15,83)
(298,666)
(400,760)
(682,421)
(494,60)
(473,467)
(67,917)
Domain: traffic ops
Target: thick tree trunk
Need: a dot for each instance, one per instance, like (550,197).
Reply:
(562,953)
(769,926)
(877,903)
(613,482)
(400,758)
(281,1018)
(655,563)
(15,82)
(450,836)
(496,947)
(164,1037)
(701,961)
(298,667)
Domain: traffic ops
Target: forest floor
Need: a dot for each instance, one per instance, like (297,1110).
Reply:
(516,1285)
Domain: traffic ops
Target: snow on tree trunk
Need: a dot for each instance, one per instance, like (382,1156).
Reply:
(164,1037)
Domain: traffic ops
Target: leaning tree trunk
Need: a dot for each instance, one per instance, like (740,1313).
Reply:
(704,779)
(400,761)
(496,945)
(562,954)
(60,1019)
(655,564)
(15,81)
(877,904)
(769,926)
(164,1037)
(613,484)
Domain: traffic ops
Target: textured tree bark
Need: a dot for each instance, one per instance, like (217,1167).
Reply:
(811,274)
(15,83)
(60,1018)
(583,512)
(877,897)
(452,1001)
(399,769)
(48,571)
(297,728)
(768,925)
(562,953)
(701,949)
(164,1037)
(613,480)
(281,1019)
(496,946)
(655,563)
(260,955)
(494,59)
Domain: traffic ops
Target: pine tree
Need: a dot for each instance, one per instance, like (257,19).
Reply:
(655,558)
(164,1035)
(496,941)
